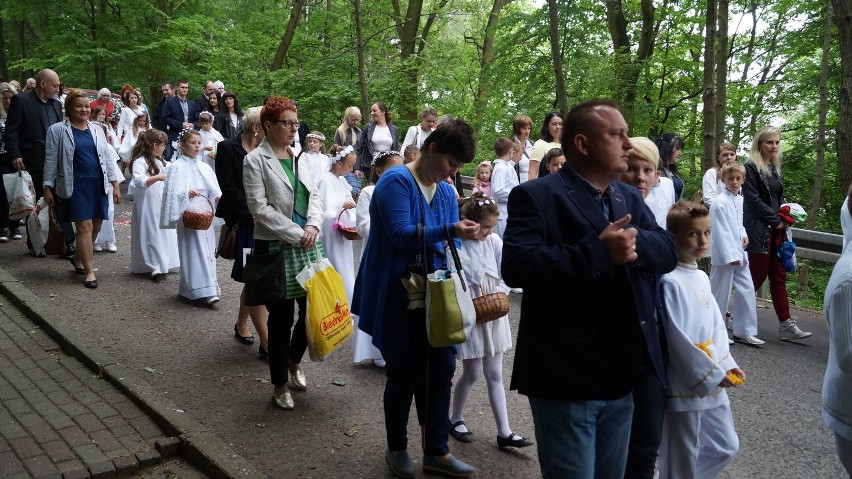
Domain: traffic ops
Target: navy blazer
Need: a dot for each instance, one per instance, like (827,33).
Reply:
(173,116)
(580,332)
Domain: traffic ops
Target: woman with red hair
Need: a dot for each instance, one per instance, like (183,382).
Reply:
(287,210)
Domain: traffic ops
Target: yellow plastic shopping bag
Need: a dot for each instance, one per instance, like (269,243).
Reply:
(329,323)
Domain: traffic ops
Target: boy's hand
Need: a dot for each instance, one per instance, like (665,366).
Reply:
(734,378)
(736,263)
(745,242)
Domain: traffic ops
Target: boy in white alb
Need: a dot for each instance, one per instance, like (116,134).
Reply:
(699,439)
(504,178)
(728,256)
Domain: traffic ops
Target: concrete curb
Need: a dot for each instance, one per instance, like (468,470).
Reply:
(198,446)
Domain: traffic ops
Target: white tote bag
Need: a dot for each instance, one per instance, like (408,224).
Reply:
(20,194)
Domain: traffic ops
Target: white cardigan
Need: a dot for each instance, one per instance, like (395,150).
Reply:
(59,158)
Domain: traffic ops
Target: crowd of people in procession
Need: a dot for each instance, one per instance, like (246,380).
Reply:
(579,216)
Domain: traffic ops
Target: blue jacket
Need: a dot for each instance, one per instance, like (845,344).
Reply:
(380,300)
(580,333)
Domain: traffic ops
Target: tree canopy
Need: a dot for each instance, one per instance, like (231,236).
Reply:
(486,62)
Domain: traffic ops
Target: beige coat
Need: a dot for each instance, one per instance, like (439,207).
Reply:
(269,195)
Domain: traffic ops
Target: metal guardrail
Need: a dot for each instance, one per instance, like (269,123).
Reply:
(815,245)
(818,246)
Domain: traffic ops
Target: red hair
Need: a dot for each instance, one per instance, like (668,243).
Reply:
(274,106)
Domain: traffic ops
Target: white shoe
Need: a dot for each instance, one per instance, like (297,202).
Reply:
(749,340)
(212,300)
(517,290)
(111,247)
(97,248)
(730,341)
(380,363)
(789,330)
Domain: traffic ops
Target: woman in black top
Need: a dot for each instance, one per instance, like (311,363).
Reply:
(763,193)
(234,210)
(670,146)
(229,121)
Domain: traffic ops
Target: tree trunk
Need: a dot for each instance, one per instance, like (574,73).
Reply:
(627,67)
(359,40)
(407,28)
(843,13)
(287,37)
(556,53)
(819,173)
(4,65)
(483,88)
(721,75)
(709,118)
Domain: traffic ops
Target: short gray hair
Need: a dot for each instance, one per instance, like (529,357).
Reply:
(104,91)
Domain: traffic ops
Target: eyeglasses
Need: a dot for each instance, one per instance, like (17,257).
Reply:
(287,123)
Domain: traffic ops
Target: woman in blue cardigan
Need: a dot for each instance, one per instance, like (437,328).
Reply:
(405,196)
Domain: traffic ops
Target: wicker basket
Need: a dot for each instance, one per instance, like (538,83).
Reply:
(348,232)
(491,306)
(198,220)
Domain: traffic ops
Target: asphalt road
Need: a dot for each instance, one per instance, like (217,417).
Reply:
(189,355)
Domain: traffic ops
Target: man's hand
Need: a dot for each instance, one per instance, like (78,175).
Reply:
(18,164)
(620,242)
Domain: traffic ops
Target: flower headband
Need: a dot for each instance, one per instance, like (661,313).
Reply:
(382,154)
(316,136)
(340,155)
(183,133)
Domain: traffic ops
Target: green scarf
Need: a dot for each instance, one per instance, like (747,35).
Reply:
(300,209)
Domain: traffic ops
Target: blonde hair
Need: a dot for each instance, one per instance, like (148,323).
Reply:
(645,149)
(756,157)
(732,167)
(344,125)
(251,117)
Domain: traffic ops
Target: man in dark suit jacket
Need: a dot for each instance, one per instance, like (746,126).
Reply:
(157,120)
(581,245)
(179,113)
(203,101)
(30,115)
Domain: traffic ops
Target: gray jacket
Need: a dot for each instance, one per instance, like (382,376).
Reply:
(59,158)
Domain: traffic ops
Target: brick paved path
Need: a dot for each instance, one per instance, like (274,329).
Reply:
(58,419)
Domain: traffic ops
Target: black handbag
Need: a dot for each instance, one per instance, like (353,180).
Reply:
(263,275)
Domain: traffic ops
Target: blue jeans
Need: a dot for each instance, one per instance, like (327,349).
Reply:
(354,182)
(582,439)
(649,409)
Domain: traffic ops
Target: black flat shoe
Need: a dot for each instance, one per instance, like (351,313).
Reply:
(512,441)
(77,269)
(263,354)
(460,436)
(247,340)
(91,284)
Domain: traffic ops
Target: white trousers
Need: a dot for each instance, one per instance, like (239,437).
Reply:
(722,278)
(697,444)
